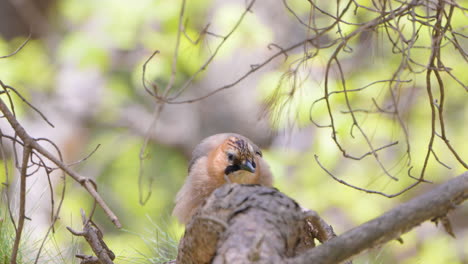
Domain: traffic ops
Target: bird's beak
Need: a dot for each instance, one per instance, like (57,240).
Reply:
(247,166)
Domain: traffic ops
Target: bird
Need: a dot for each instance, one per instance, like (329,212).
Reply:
(219,159)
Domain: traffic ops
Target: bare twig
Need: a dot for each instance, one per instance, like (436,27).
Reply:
(5,87)
(210,59)
(364,189)
(403,38)
(18,49)
(87,183)
(54,214)
(158,107)
(22,205)
(7,181)
(94,237)
(87,156)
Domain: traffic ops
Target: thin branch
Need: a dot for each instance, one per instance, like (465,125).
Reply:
(159,107)
(22,205)
(364,189)
(215,53)
(5,87)
(18,49)
(355,123)
(87,183)
(54,219)
(7,180)
(86,157)
(143,75)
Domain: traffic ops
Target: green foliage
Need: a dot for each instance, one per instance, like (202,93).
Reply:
(28,244)
(7,237)
(161,241)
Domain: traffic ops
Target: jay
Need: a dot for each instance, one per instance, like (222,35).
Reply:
(219,159)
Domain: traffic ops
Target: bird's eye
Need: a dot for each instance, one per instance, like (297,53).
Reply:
(230,156)
(259,153)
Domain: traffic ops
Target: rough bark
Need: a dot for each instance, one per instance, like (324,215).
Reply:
(250,223)
(255,224)
(94,237)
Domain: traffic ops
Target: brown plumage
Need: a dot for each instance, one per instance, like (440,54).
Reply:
(217,159)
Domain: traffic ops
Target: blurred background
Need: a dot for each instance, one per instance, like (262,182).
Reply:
(82,67)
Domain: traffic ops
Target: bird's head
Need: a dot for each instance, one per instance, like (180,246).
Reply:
(240,155)
(237,158)
(220,158)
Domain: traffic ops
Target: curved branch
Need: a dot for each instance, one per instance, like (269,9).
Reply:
(256,224)
(432,205)
(28,141)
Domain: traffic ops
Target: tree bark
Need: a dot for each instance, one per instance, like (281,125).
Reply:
(246,224)
(256,224)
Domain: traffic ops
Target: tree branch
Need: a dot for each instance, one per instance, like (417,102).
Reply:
(94,237)
(22,205)
(29,141)
(434,204)
(247,224)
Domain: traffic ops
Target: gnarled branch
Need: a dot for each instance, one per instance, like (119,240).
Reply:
(247,224)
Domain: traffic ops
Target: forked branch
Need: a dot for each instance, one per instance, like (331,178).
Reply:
(30,142)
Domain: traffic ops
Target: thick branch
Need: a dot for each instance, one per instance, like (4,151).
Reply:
(433,204)
(223,230)
(250,223)
(247,224)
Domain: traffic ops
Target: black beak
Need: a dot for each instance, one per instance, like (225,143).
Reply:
(248,166)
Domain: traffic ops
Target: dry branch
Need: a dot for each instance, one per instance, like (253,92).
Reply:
(22,207)
(93,236)
(32,143)
(383,19)
(431,205)
(250,223)
(247,224)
